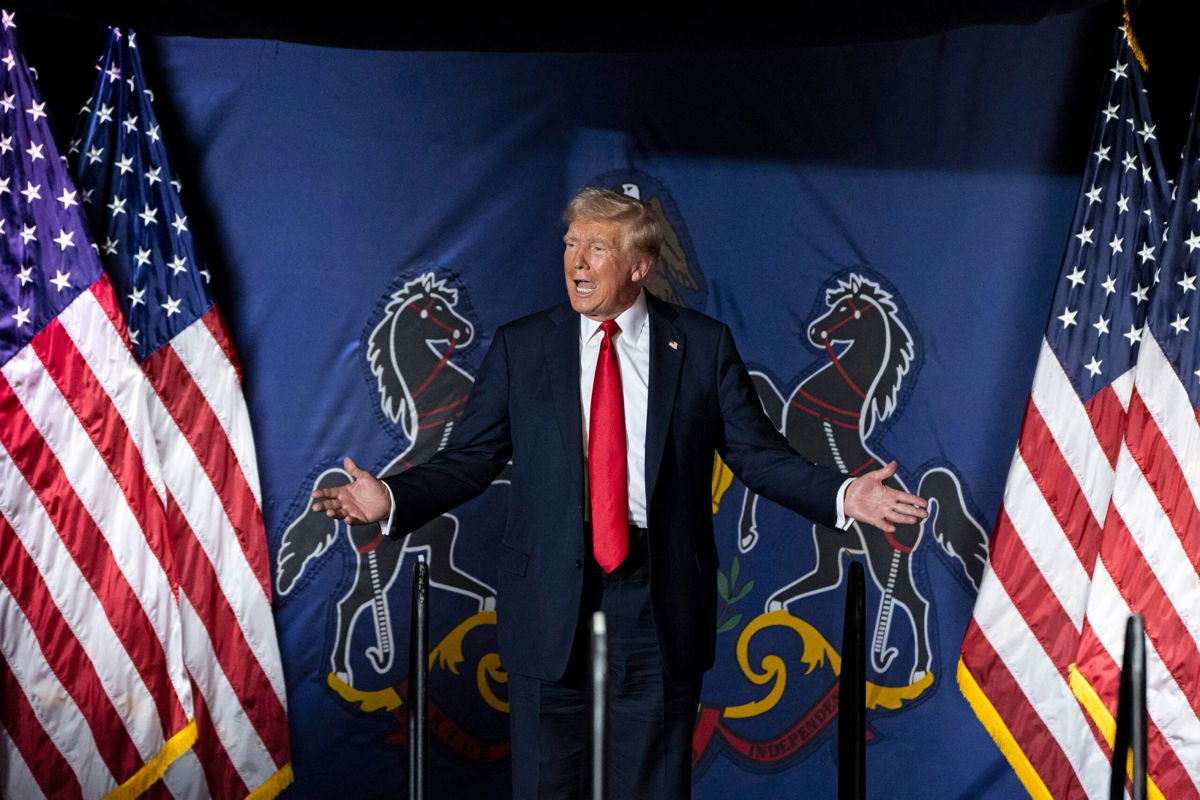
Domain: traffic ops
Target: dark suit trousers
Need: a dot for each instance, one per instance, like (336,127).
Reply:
(650,716)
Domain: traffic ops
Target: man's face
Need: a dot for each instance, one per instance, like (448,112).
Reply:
(603,274)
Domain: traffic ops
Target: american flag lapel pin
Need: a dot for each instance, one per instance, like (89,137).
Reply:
(674,345)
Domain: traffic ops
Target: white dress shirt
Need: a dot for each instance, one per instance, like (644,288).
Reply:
(633,359)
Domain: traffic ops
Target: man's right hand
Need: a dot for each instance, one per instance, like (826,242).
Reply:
(364,500)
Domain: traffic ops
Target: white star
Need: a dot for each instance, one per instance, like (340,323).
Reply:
(180,224)
(1180,323)
(87,196)
(125,164)
(67,199)
(1192,242)
(1109,285)
(172,306)
(105,113)
(130,123)
(1122,204)
(1140,294)
(1094,195)
(1146,178)
(178,265)
(87,107)
(153,175)
(207,277)
(61,279)
(129,83)
(7,18)
(8,102)
(152,133)
(1085,236)
(35,151)
(64,239)
(1187,283)
(1130,162)
(1076,277)
(110,246)
(29,234)
(135,299)
(1119,71)
(1196,200)
(1101,326)
(1068,318)
(32,192)
(178,186)
(94,154)
(142,258)
(1110,113)
(1147,253)
(117,206)
(36,111)
(113,73)
(1157,276)
(4,186)
(74,147)
(133,335)
(1102,153)
(22,316)
(1093,366)
(25,275)
(1147,132)
(1134,335)
(9,61)
(149,215)
(1116,243)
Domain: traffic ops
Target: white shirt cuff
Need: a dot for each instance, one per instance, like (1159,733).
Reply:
(843,522)
(387,523)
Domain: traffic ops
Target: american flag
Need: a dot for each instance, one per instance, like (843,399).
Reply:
(1150,551)
(95,694)
(202,433)
(1015,668)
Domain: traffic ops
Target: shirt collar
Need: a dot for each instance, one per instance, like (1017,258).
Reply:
(630,321)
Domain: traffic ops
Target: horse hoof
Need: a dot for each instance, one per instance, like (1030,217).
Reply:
(488,604)
(775,605)
(917,676)
(746,543)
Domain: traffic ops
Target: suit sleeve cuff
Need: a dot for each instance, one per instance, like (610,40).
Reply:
(842,523)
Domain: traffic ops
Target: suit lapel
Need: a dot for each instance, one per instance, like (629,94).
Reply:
(667,347)
(561,352)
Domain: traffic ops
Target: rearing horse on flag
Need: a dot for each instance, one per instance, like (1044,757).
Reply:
(421,389)
(828,418)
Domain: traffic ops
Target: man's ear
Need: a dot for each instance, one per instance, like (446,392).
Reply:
(642,268)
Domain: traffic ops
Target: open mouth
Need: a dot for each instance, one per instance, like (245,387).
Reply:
(585,287)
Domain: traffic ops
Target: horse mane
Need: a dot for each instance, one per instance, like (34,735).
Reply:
(885,389)
(381,356)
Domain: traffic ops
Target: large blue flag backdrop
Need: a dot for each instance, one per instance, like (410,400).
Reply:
(918,181)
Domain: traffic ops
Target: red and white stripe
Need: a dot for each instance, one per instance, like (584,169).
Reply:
(202,429)
(1148,564)
(91,632)
(1027,619)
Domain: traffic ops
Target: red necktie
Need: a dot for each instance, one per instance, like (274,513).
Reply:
(608,469)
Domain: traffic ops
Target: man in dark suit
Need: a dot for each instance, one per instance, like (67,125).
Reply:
(610,408)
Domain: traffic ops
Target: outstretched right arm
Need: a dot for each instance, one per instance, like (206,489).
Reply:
(479,447)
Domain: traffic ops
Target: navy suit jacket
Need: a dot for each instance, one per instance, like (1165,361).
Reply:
(525,406)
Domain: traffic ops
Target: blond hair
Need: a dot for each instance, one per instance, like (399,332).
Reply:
(645,227)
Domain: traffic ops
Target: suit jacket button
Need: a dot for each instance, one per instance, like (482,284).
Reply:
(578,563)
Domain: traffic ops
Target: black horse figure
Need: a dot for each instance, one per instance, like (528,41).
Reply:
(829,418)
(422,390)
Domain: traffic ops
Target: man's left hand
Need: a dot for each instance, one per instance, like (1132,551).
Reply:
(869,500)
